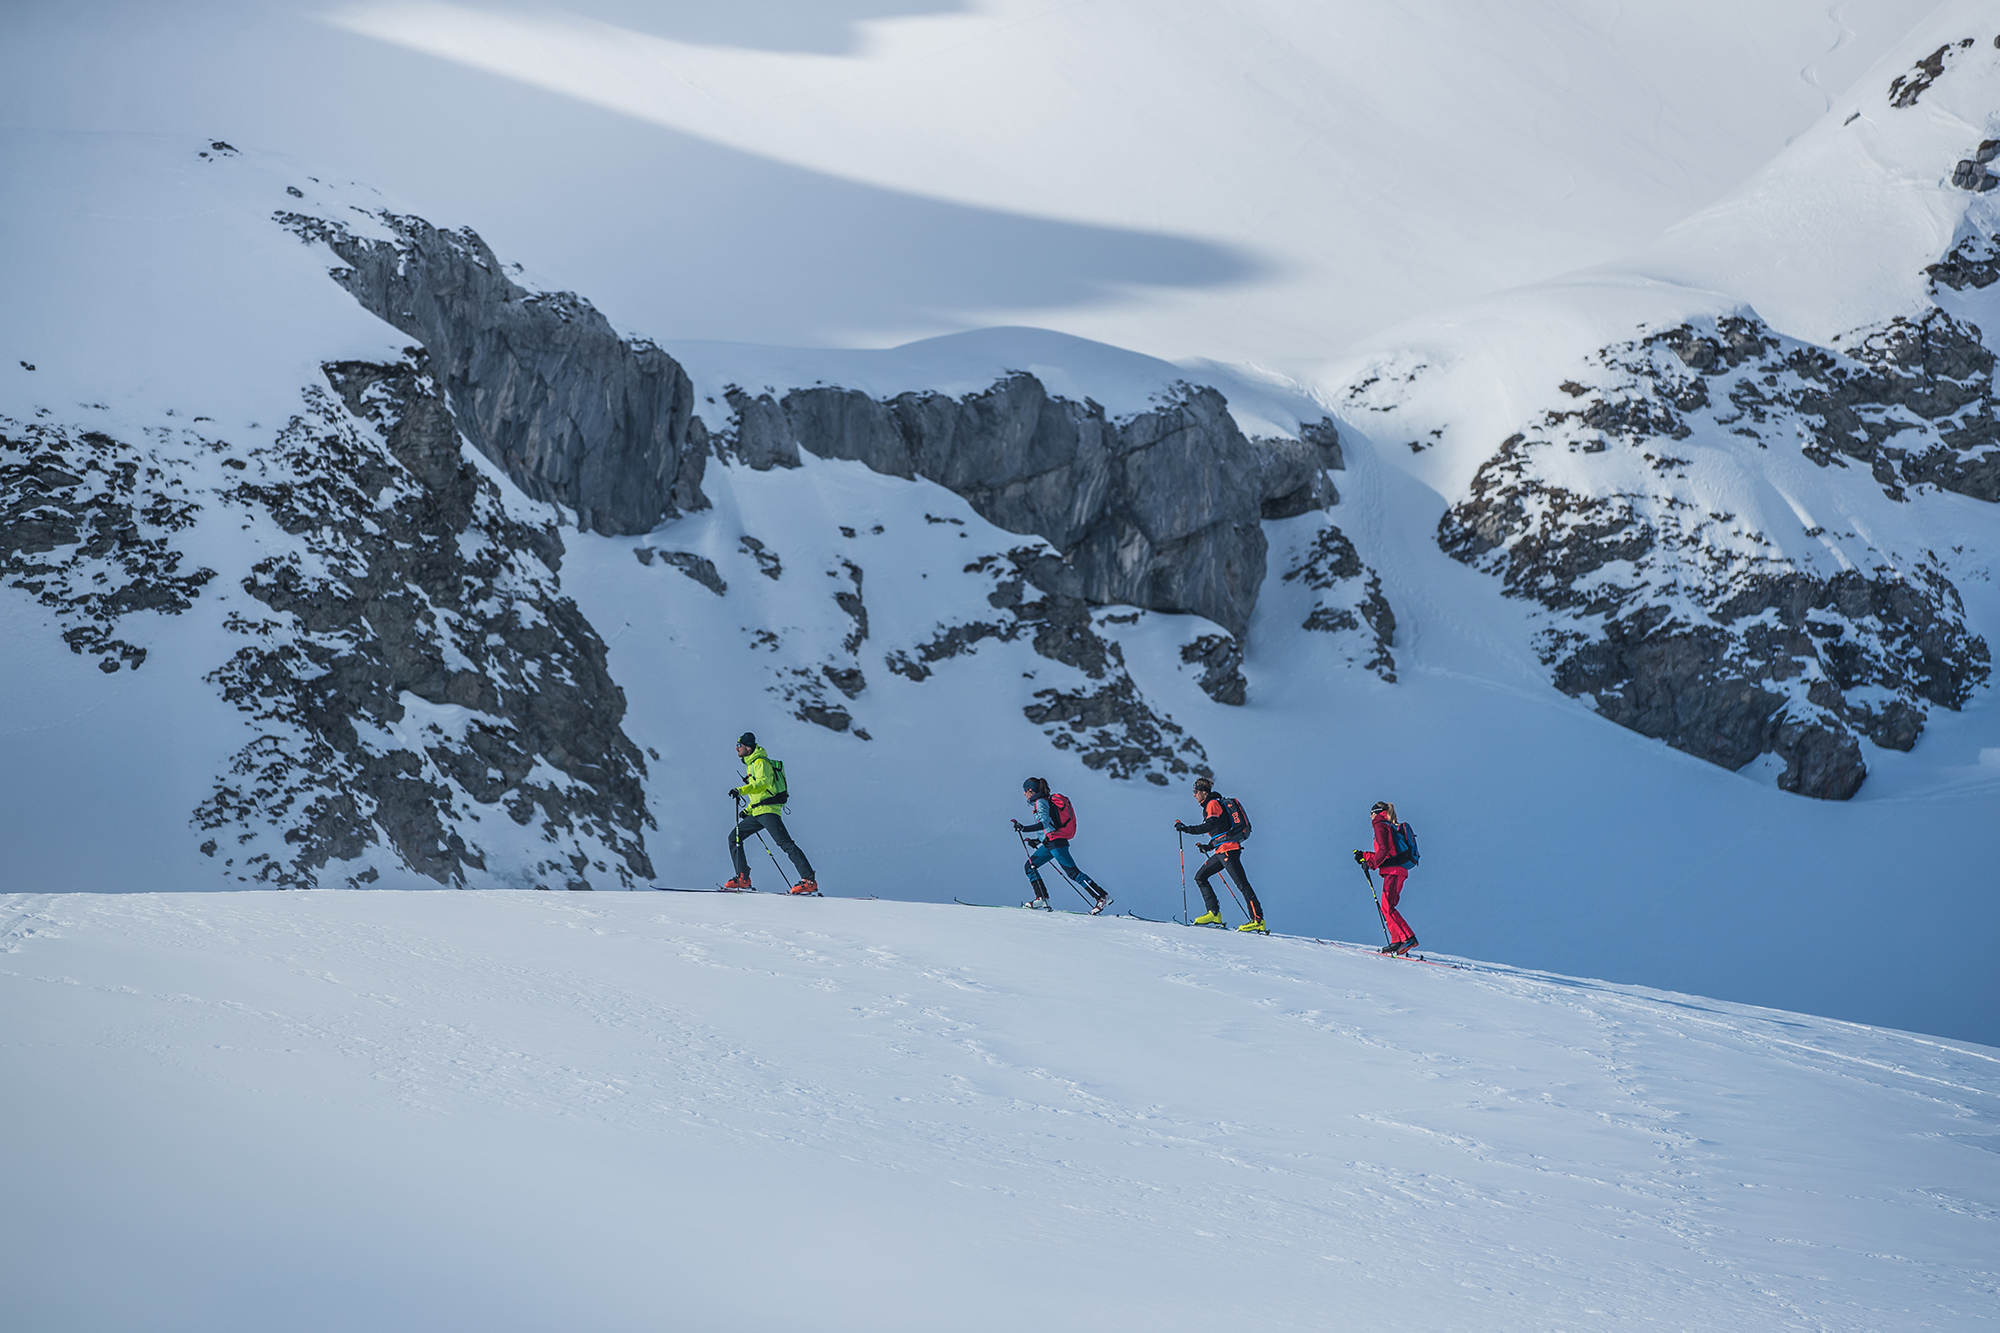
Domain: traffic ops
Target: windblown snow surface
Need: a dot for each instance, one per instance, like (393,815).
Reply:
(522,1111)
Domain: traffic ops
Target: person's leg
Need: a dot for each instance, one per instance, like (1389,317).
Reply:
(776,825)
(1235,863)
(1201,877)
(1035,861)
(744,829)
(1392,893)
(1068,863)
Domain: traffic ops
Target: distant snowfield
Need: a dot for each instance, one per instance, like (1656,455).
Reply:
(507,1110)
(1252,180)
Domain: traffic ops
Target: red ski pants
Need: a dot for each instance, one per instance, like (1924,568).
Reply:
(1392,892)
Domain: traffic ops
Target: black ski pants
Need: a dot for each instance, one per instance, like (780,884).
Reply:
(773,824)
(1232,861)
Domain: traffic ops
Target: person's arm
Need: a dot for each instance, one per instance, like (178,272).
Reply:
(757,782)
(1385,845)
(1217,821)
(1045,818)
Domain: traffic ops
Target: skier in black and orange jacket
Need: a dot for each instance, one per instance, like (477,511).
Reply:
(1225,853)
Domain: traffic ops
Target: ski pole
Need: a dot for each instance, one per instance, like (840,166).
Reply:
(1087,900)
(773,855)
(1380,915)
(1181,838)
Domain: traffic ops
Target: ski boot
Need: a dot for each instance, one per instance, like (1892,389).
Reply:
(1208,919)
(806,886)
(1403,949)
(1392,947)
(740,882)
(1256,925)
(1103,901)
(1039,904)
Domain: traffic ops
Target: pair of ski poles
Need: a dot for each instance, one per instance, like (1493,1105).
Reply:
(1088,901)
(1380,916)
(760,838)
(1181,834)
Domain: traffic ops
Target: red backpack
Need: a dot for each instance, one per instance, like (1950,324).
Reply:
(1065,828)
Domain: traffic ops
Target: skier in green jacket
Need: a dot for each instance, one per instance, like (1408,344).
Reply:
(763,794)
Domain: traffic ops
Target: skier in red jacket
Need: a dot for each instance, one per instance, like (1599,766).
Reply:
(1395,869)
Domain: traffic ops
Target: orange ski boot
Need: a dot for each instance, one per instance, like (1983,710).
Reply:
(806,886)
(740,882)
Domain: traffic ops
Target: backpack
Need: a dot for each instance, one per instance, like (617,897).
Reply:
(1406,846)
(1065,813)
(782,793)
(1239,820)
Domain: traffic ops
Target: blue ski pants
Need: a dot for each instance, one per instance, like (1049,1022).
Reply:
(1059,853)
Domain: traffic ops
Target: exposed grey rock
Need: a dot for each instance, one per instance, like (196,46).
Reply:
(1681,624)
(1350,597)
(767,559)
(1221,661)
(415,583)
(1110,724)
(1162,511)
(851,603)
(1905,89)
(1971,175)
(697,567)
(87,527)
(539,382)
(1972,263)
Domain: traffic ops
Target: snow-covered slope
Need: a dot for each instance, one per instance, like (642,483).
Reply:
(505,1111)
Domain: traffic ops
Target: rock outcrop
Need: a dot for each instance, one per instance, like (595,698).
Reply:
(1161,511)
(420,692)
(538,381)
(1108,722)
(1690,625)
(421,681)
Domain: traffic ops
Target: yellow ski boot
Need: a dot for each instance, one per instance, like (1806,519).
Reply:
(1207,919)
(1257,926)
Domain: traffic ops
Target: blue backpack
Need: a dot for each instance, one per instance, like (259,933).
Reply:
(1406,847)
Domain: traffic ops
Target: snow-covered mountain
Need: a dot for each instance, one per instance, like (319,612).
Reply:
(524,1111)
(340,550)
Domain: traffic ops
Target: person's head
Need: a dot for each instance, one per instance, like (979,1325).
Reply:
(1384,807)
(1034,789)
(1203,789)
(745,744)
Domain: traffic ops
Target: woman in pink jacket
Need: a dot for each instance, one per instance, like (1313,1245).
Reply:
(1394,866)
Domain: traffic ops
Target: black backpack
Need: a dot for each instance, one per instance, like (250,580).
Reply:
(1239,820)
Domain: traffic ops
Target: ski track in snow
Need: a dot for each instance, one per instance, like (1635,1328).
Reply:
(1166,1128)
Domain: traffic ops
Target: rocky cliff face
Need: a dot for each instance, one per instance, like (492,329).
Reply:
(420,691)
(538,381)
(1689,624)
(1161,511)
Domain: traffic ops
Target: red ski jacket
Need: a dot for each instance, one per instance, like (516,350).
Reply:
(1385,841)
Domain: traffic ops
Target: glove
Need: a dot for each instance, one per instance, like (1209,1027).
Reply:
(1179,827)
(735,791)
(1360,857)
(1019,827)
(1034,842)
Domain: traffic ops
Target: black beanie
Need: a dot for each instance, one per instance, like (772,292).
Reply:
(748,738)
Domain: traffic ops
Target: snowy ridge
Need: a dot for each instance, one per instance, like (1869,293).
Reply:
(408,1111)
(1696,503)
